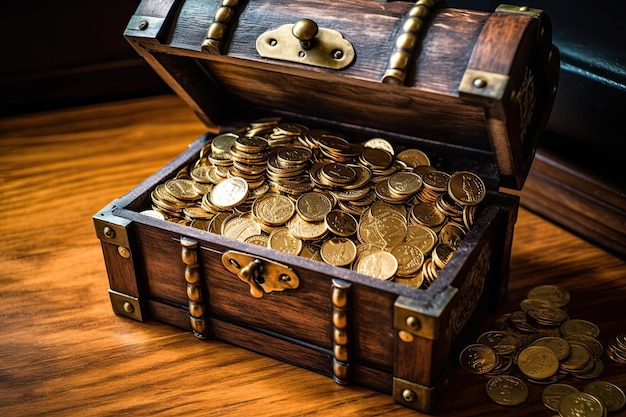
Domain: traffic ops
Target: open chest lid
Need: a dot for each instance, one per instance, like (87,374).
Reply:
(475,82)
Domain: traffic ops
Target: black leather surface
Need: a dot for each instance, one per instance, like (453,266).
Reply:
(588,122)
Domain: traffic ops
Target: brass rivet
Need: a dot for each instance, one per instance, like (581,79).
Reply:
(413,322)
(128,307)
(124,253)
(524,9)
(337,54)
(408,395)
(108,232)
(143,25)
(273,42)
(406,337)
(301,54)
(479,83)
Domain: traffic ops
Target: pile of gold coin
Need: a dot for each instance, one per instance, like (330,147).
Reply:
(540,344)
(314,193)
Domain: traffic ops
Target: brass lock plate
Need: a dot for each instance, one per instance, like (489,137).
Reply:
(262,275)
(305,43)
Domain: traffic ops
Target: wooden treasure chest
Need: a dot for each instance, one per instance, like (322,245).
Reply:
(344,212)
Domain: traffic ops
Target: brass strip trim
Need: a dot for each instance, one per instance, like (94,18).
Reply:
(341,338)
(407,40)
(195,290)
(222,24)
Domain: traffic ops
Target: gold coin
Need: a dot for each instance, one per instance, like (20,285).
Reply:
(306,230)
(503,343)
(413,158)
(335,173)
(507,390)
(379,143)
(442,254)
(538,362)
(580,404)
(547,315)
(376,158)
(222,143)
(273,209)
(314,206)
(422,237)
(410,259)
(466,188)
(595,347)
(379,264)
(229,192)
(182,189)
(451,234)
(578,359)
(340,223)
(281,239)
(478,359)
(552,395)
(260,240)
(558,345)
(405,183)
(386,229)
(427,214)
(338,251)
(153,213)
(436,181)
(577,326)
(610,395)
(240,227)
(551,294)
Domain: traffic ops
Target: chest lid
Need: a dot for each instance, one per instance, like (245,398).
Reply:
(471,81)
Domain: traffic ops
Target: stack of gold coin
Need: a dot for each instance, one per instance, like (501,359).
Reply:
(315,185)
(616,348)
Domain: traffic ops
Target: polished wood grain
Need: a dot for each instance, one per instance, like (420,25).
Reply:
(64,352)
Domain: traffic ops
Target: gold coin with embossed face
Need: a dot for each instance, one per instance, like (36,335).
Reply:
(538,362)
(314,206)
(386,229)
(339,251)
(229,193)
(281,239)
(507,390)
(478,359)
(410,259)
(503,343)
(378,264)
(466,188)
(451,234)
(273,209)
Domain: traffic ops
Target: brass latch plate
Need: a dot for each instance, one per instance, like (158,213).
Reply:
(262,275)
(318,47)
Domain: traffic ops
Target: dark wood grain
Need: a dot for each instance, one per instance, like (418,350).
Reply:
(64,352)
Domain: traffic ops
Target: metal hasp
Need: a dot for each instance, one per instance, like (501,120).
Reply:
(262,275)
(306,43)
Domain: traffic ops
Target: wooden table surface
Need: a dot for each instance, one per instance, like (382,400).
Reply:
(64,352)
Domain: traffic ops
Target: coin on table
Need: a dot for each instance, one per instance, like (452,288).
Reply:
(503,343)
(552,395)
(610,395)
(558,345)
(338,251)
(410,259)
(341,223)
(594,345)
(538,362)
(547,315)
(229,193)
(378,264)
(578,326)
(281,239)
(507,390)
(578,359)
(580,404)
(478,359)
(313,206)
(552,294)
(466,188)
